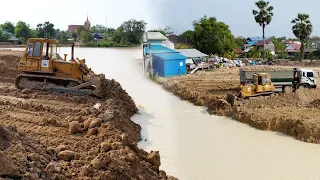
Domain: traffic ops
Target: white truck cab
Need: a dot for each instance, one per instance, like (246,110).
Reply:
(304,78)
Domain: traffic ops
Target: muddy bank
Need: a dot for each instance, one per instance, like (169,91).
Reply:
(295,114)
(62,136)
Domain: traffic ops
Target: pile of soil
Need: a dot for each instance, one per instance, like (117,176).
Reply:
(296,114)
(305,63)
(63,136)
(266,68)
(9,60)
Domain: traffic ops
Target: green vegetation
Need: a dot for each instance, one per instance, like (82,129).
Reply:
(279,48)
(45,30)
(183,46)
(263,16)
(212,36)
(302,29)
(7,26)
(128,34)
(160,31)
(3,37)
(240,42)
(189,35)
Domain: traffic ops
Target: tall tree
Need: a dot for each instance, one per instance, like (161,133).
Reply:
(45,30)
(302,29)
(263,16)
(99,29)
(8,26)
(211,36)
(279,47)
(240,41)
(130,32)
(187,35)
(22,31)
(79,30)
(158,30)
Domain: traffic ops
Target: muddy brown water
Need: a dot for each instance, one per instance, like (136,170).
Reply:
(195,145)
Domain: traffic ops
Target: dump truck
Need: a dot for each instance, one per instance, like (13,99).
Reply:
(286,81)
(257,83)
(42,68)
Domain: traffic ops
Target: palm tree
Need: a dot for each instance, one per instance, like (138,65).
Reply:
(302,29)
(263,16)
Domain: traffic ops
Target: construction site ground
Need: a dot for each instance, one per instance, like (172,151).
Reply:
(45,135)
(296,114)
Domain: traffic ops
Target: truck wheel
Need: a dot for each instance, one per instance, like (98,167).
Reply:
(302,86)
(288,89)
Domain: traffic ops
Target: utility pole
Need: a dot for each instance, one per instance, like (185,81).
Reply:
(106,28)
(223,46)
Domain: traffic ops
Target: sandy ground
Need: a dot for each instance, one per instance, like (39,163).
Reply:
(61,136)
(295,114)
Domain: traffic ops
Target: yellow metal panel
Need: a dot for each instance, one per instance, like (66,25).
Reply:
(32,64)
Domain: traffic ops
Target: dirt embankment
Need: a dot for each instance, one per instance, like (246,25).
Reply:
(295,114)
(304,63)
(61,136)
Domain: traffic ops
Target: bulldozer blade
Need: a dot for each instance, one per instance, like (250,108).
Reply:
(233,99)
(97,82)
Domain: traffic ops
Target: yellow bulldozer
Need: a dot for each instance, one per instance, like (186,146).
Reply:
(43,69)
(262,85)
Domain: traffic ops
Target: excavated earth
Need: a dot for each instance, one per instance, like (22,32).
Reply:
(62,136)
(296,114)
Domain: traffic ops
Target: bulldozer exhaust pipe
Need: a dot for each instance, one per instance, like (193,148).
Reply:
(72,51)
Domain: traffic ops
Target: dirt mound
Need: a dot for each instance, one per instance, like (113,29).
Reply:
(65,136)
(266,68)
(8,65)
(296,114)
(21,156)
(306,63)
(314,104)
(112,89)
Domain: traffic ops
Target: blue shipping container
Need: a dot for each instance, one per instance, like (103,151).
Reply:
(169,64)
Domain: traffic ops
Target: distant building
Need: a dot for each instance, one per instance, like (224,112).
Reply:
(251,41)
(155,38)
(258,42)
(177,39)
(267,45)
(98,36)
(12,39)
(238,51)
(87,25)
(73,28)
(192,54)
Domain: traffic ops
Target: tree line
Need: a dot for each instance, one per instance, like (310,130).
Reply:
(128,34)
(214,37)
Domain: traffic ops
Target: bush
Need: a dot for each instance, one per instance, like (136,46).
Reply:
(106,44)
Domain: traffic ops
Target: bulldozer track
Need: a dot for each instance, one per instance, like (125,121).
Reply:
(35,78)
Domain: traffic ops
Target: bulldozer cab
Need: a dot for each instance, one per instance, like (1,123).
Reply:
(39,54)
(262,82)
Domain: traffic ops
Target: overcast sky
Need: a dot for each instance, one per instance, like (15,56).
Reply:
(161,13)
(238,14)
